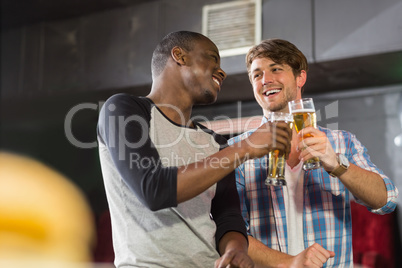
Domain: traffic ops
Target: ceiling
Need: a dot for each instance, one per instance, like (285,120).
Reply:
(359,72)
(15,13)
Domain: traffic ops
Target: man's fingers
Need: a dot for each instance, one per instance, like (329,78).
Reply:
(222,262)
(310,131)
(317,255)
(234,260)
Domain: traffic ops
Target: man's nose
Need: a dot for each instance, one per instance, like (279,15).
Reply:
(222,74)
(267,78)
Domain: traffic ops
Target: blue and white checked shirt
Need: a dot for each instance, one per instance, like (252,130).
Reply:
(326,213)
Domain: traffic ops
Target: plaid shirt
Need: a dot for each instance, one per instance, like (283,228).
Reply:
(326,213)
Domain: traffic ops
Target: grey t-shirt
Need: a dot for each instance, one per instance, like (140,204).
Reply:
(140,150)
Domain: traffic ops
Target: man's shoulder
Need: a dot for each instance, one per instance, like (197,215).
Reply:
(123,103)
(125,97)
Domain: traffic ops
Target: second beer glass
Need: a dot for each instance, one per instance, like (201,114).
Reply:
(303,112)
(276,158)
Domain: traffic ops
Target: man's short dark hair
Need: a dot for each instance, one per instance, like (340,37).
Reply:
(183,39)
(279,51)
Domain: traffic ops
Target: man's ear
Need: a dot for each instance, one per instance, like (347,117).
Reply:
(301,78)
(178,55)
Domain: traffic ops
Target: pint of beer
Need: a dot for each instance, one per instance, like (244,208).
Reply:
(303,112)
(276,158)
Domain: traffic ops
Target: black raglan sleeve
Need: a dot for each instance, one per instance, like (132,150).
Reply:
(123,127)
(225,207)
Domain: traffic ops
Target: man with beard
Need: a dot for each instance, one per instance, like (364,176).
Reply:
(308,222)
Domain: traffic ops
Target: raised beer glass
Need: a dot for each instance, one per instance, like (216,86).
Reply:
(276,157)
(303,112)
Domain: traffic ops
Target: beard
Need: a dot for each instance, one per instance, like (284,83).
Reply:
(288,95)
(278,107)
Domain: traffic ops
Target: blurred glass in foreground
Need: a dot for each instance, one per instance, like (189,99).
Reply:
(45,220)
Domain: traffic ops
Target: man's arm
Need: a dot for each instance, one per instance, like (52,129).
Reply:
(195,178)
(233,248)
(124,129)
(231,233)
(263,256)
(367,186)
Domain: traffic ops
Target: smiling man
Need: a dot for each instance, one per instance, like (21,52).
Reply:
(169,181)
(308,222)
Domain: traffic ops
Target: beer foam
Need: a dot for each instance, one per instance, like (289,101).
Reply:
(298,111)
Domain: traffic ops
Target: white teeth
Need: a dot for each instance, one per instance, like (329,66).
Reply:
(273,91)
(216,81)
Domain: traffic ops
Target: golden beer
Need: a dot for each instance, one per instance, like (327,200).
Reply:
(303,119)
(276,168)
(304,115)
(276,158)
